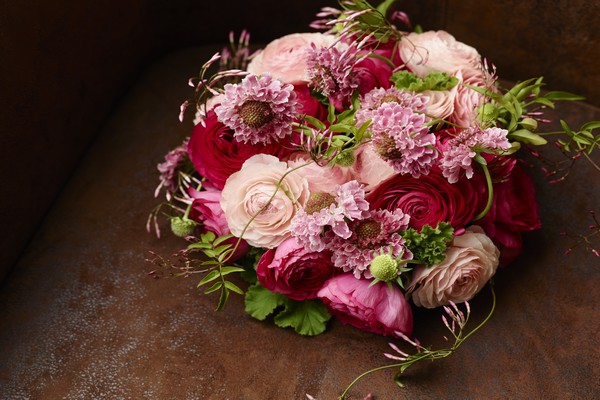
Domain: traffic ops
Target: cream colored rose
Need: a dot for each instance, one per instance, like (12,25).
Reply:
(470,262)
(285,58)
(320,179)
(437,51)
(370,169)
(249,193)
(441,102)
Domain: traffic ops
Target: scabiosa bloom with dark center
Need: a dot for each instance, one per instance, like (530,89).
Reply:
(330,72)
(372,236)
(459,151)
(329,210)
(379,96)
(168,169)
(259,109)
(401,137)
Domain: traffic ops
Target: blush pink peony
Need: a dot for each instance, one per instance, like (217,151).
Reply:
(294,271)
(256,208)
(470,263)
(285,58)
(374,309)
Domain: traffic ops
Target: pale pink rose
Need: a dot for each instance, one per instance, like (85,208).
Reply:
(470,263)
(285,58)
(441,102)
(374,308)
(437,51)
(320,179)
(467,100)
(247,191)
(369,168)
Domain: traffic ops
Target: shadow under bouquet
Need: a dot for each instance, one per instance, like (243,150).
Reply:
(357,172)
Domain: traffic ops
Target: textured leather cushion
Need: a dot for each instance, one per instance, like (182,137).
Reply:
(79,318)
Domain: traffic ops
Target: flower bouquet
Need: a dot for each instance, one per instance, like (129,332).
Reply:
(356,173)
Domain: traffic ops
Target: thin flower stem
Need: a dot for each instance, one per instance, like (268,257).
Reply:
(490,190)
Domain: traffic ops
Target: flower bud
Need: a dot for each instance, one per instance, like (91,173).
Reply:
(182,226)
(384,268)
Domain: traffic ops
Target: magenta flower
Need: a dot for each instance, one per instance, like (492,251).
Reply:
(369,237)
(402,138)
(258,109)
(374,308)
(168,169)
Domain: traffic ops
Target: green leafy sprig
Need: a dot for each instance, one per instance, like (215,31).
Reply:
(308,317)
(429,245)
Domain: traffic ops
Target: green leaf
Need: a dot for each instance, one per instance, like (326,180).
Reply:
(261,302)
(563,96)
(307,317)
(218,285)
(222,299)
(384,7)
(233,287)
(229,270)
(221,239)
(211,276)
(590,126)
(527,137)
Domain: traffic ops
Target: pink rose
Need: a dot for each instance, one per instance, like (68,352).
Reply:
(438,51)
(441,102)
(467,100)
(257,206)
(206,209)
(292,270)
(285,58)
(514,210)
(429,199)
(369,168)
(320,179)
(216,155)
(470,263)
(374,309)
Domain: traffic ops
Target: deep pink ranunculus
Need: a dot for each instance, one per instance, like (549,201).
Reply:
(373,72)
(307,104)
(514,210)
(216,154)
(374,309)
(429,199)
(292,270)
(206,210)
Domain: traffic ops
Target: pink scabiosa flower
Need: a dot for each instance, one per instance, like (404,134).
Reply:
(379,96)
(329,210)
(459,151)
(370,237)
(401,137)
(258,109)
(168,169)
(330,72)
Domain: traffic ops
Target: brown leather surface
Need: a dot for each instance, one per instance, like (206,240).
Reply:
(79,318)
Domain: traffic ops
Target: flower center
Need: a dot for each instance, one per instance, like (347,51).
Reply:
(367,230)
(390,98)
(256,114)
(386,147)
(318,201)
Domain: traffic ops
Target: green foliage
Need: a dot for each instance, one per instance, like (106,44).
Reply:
(429,245)
(217,255)
(373,22)
(307,317)
(433,81)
